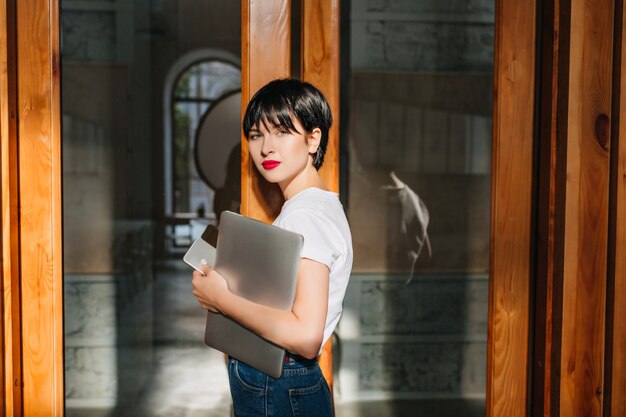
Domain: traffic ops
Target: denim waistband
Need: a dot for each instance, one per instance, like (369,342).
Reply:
(294,359)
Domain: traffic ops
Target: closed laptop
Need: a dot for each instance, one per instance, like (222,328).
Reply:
(260,262)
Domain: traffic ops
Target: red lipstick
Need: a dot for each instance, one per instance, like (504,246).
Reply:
(270,164)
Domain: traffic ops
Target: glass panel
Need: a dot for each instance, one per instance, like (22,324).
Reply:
(133,330)
(419,132)
(195,92)
(208,80)
(190,192)
(88,35)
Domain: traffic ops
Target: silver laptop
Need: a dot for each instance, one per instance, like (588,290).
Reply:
(260,263)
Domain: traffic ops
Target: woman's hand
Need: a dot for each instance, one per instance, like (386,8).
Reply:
(209,288)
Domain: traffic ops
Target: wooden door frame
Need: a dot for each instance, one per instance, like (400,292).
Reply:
(40,251)
(11,362)
(615,368)
(319,64)
(557,234)
(511,256)
(32,276)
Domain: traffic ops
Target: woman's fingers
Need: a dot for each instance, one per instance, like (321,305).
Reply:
(206,268)
(198,283)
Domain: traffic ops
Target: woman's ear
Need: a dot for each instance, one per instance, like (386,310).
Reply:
(314,140)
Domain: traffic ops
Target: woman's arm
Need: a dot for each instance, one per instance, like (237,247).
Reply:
(300,330)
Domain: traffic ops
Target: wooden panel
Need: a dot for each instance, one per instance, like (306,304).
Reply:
(617,365)
(4,185)
(265,52)
(40,211)
(545,366)
(511,219)
(586,208)
(320,67)
(269,23)
(5,273)
(11,347)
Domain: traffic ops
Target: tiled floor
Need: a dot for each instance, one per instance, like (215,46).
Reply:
(190,380)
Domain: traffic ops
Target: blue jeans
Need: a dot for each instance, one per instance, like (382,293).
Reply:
(301,391)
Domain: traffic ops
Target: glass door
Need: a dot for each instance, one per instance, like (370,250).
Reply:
(139,79)
(414,333)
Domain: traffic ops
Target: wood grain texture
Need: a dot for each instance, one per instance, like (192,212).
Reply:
(6,370)
(320,67)
(11,342)
(325,361)
(56,212)
(269,23)
(617,367)
(265,56)
(40,206)
(543,374)
(586,208)
(511,217)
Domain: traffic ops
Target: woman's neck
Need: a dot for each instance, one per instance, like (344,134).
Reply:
(305,179)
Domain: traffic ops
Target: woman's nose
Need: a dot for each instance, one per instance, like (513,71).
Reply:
(267,147)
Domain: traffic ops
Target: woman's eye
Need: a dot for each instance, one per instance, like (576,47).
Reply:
(254,136)
(282,132)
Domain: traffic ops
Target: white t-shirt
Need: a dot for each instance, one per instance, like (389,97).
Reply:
(319,217)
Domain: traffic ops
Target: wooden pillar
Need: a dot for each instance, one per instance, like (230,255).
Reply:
(511,218)
(31,184)
(265,55)
(573,209)
(544,373)
(615,401)
(320,66)
(586,110)
(10,366)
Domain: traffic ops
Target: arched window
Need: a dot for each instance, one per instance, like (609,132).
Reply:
(195,83)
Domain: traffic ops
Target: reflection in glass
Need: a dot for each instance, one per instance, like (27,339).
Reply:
(419,133)
(194,92)
(133,330)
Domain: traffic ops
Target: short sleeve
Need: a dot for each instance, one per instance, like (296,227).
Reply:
(321,243)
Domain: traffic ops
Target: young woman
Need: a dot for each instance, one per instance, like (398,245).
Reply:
(286,124)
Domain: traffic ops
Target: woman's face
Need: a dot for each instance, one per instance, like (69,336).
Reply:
(281,155)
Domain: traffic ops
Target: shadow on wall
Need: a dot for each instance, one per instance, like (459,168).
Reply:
(422,326)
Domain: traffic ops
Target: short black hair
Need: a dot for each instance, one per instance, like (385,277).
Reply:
(280,100)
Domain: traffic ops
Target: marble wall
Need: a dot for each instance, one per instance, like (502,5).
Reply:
(425,338)
(108,341)
(88,35)
(434,369)
(108,325)
(422,35)
(434,305)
